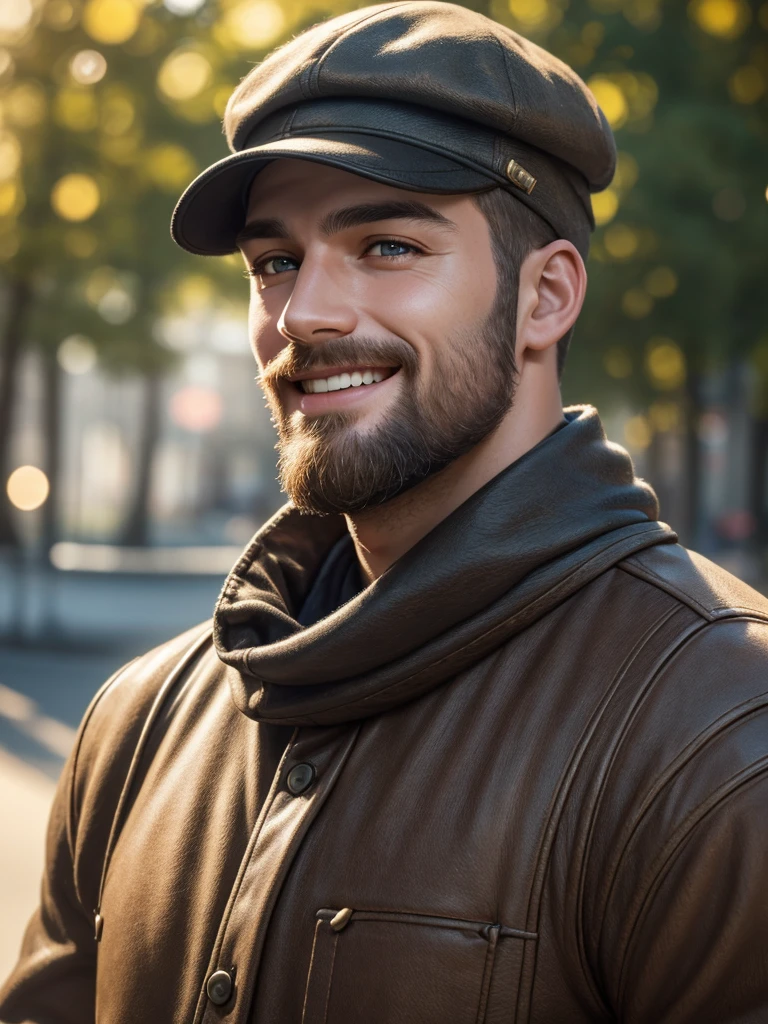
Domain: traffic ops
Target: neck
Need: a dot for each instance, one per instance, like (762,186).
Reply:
(384,534)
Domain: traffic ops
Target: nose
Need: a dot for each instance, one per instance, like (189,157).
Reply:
(320,305)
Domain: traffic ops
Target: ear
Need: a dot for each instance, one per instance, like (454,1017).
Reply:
(553,283)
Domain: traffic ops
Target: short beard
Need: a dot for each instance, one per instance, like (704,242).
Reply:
(328,466)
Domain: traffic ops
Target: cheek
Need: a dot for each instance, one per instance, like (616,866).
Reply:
(266,341)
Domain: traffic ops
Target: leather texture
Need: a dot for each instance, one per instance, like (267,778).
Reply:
(418,94)
(538,793)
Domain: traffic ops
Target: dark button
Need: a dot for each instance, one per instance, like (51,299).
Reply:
(219,987)
(300,777)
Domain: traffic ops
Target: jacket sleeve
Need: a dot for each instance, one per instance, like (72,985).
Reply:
(684,931)
(697,951)
(54,979)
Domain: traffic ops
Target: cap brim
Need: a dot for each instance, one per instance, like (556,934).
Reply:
(211,212)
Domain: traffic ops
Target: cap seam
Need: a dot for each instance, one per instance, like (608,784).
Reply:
(314,77)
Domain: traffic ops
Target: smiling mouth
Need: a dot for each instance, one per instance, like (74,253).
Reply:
(358,377)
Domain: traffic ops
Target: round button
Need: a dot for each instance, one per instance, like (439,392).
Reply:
(300,778)
(219,987)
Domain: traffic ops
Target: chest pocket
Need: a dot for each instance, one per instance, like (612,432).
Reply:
(376,967)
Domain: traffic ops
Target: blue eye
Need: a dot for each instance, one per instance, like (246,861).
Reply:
(261,268)
(392,244)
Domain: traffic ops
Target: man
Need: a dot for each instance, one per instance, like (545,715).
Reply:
(473,738)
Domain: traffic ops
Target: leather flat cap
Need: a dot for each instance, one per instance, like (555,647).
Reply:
(422,95)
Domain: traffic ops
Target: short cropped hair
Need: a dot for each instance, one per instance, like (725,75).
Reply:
(515,232)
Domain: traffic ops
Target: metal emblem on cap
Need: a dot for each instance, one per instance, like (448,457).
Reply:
(520,177)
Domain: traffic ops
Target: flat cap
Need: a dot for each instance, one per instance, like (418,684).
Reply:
(422,95)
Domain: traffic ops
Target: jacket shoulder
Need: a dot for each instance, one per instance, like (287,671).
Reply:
(694,580)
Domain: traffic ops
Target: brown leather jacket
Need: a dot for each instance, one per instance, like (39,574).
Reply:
(527,780)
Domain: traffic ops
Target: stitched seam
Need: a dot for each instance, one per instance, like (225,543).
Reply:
(675,845)
(726,722)
(330,976)
(309,972)
(643,572)
(640,696)
(513,122)
(314,79)
(485,986)
(74,813)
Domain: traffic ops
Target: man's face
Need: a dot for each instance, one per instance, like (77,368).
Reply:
(383,353)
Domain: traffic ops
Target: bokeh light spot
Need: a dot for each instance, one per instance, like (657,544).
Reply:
(605,205)
(665,364)
(25,105)
(636,303)
(747,84)
(726,19)
(637,432)
(661,282)
(197,409)
(75,197)
(621,241)
(88,67)
(610,98)
(111,21)
(184,74)
(76,354)
(27,488)
(10,155)
(251,25)
(170,166)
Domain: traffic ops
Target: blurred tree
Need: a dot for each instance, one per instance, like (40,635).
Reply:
(109,107)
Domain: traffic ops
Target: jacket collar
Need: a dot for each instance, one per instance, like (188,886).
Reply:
(545,526)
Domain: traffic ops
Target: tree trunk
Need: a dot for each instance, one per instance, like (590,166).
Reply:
(135,532)
(51,428)
(20,294)
(691,532)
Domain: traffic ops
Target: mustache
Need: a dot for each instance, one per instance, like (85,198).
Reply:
(298,357)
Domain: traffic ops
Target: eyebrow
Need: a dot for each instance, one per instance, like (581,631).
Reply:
(350,217)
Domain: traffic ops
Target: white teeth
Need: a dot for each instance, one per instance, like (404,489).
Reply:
(319,386)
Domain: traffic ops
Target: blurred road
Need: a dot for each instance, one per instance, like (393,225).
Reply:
(63,635)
